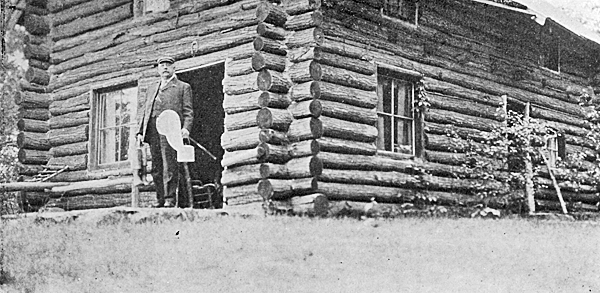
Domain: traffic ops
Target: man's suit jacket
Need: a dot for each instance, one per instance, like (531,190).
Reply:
(176,96)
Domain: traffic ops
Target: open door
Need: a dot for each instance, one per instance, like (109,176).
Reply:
(207,90)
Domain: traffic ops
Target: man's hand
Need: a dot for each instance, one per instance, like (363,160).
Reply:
(185,133)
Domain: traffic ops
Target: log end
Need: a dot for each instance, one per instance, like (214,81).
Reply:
(264,80)
(264,118)
(316,127)
(265,189)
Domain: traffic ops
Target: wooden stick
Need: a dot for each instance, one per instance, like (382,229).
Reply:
(554,182)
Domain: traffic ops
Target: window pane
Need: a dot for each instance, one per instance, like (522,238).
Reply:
(124,144)
(384,126)
(385,96)
(403,137)
(403,103)
(106,146)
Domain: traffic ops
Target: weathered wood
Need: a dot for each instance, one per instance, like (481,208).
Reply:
(36,24)
(342,77)
(338,128)
(32,140)
(547,205)
(241,195)
(238,158)
(446,88)
(38,76)
(31,125)
(271,31)
(301,109)
(39,52)
(241,139)
(28,186)
(311,205)
(301,92)
(75,162)
(35,39)
(303,167)
(241,103)
(311,37)
(85,175)
(39,64)
(41,114)
(68,135)
(241,120)
(305,128)
(278,119)
(340,47)
(94,186)
(456,159)
(360,192)
(239,67)
(449,144)
(72,149)
(334,145)
(269,80)
(58,5)
(301,149)
(84,10)
(273,153)
(349,63)
(343,94)
(273,137)
(300,54)
(293,7)
(29,156)
(269,45)
(274,100)
(27,86)
(282,188)
(241,175)
(300,72)
(304,21)
(547,194)
(465,107)
(461,120)
(458,132)
(264,60)
(32,100)
(270,13)
(242,84)
(69,119)
(553,115)
(96,20)
(343,111)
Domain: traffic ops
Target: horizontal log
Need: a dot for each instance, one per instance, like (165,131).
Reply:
(241,120)
(301,149)
(300,72)
(92,185)
(457,132)
(241,139)
(35,39)
(301,54)
(31,170)
(96,20)
(72,149)
(360,192)
(310,205)
(339,93)
(233,104)
(338,128)
(270,46)
(85,175)
(461,120)
(342,76)
(29,156)
(548,194)
(546,205)
(304,21)
(303,167)
(31,87)
(40,114)
(269,80)
(28,186)
(273,153)
(39,52)
(294,7)
(277,119)
(466,107)
(239,67)
(32,100)
(271,13)
(75,162)
(311,37)
(37,76)
(32,140)
(242,84)
(270,31)
(273,137)
(284,188)
(301,109)
(43,65)
(238,158)
(69,119)
(241,175)
(274,100)
(450,89)
(343,111)
(303,129)
(334,145)
(241,195)
(68,135)
(264,60)
(341,61)
(58,5)
(340,47)
(553,115)
(31,125)
(36,24)
(84,10)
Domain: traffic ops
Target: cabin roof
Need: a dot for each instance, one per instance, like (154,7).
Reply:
(541,11)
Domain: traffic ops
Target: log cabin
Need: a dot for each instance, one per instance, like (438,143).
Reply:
(304,102)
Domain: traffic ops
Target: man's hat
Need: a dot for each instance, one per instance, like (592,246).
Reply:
(165,59)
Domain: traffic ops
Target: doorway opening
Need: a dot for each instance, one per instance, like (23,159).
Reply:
(207,91)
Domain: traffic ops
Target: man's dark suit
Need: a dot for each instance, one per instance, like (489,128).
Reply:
(177,96)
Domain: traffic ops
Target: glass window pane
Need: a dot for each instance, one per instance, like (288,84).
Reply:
(124,147)
(384,126)
(403,139)
(107,146)
(384,103)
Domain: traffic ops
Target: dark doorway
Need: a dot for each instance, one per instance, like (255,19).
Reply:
(209,117)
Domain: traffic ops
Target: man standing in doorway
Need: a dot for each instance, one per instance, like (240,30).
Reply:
(168,93)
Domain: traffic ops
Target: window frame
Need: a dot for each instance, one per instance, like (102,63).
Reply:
(416,14)
(409,77)
(94,137)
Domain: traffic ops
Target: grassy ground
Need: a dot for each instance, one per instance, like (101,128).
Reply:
(284,254)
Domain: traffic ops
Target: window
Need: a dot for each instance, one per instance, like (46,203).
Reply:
(143,7)
(555,149)
(114,111)
(397,122)
(406,10)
